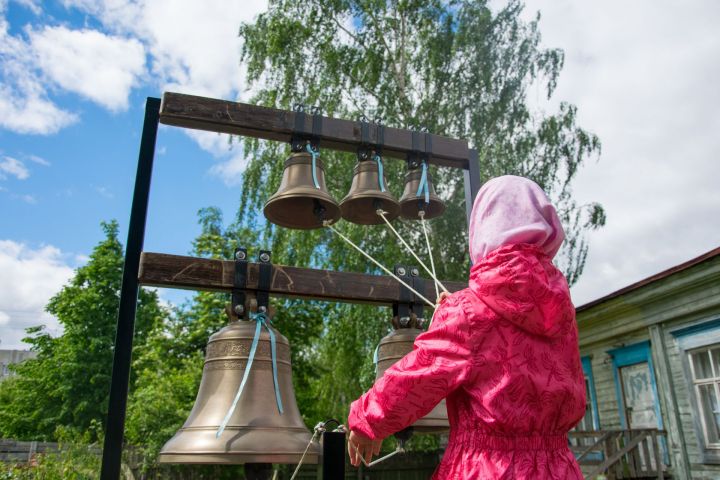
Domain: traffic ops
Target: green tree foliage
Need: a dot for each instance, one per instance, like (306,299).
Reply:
(67,384)
(455,67)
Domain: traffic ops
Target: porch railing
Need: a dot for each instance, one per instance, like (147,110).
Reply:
(620,454)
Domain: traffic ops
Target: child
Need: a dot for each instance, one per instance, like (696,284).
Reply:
(504,352)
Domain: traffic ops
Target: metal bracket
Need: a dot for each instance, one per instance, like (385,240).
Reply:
(299,136)
(418,283)
(401,309)
(380,136)
(264,280)
(239,282)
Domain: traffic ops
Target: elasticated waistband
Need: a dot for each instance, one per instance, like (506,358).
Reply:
(489,441)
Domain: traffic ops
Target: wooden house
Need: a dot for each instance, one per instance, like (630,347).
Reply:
(651,357)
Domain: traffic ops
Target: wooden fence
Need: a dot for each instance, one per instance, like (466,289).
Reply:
(620,454)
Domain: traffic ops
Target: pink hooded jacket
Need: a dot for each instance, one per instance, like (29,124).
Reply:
(504,352)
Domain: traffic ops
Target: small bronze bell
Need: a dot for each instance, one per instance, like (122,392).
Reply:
(368,194)
(414,200)
(298,203)
(256,431)
(395,346)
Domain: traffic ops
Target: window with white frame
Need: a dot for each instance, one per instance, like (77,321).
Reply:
(705,370)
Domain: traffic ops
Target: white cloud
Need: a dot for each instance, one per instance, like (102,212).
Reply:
(104,192)
(30,277)
(193,48)
(14,167)
(24,103)
(642,81)
(100,67)
(38,160)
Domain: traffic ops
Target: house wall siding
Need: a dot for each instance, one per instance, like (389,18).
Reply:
(686,298)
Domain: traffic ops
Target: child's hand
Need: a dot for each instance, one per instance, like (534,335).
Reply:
(361,446)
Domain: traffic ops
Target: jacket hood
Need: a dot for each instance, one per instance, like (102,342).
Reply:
(522,286)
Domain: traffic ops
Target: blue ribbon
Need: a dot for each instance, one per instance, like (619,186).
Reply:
(424,183)
(381,175)
(314,161)
(375,358)
(261,321)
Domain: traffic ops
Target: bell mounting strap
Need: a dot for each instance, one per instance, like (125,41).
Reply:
(382,267)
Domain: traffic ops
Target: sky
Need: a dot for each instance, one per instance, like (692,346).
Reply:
(74,76)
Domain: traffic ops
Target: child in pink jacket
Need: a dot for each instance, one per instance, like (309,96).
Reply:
(503,352)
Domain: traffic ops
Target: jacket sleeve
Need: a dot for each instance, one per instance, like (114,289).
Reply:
(439,363)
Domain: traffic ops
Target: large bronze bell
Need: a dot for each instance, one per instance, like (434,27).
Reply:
(367,195)
(411,203)
(256,432)
(395,346)
(298,203)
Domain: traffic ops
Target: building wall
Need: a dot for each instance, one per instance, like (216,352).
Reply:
(653,312)
(8,357)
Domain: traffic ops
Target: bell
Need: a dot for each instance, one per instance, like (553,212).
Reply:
(411,202)
(367,195)
(392,348)
(298,203)
(256,431)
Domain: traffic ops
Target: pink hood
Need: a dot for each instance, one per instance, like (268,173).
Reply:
(522,286)
(509,210)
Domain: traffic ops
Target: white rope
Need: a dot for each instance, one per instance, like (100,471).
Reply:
(412,252)
(367,255)
(421,213)
(399,449)
(319,427)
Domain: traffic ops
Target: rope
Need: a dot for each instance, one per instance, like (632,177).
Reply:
(400,449)
(314,164)
(427,241)
(327,224)
(381,175)
(409,249)
(261,320)
(320,427)
(423,186)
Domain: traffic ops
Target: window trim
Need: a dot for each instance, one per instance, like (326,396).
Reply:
(695,337)
(587,370)
(625,357)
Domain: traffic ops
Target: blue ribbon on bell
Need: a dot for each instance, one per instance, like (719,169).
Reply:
(381,175)
(314,154)
(424,188)
(261,320)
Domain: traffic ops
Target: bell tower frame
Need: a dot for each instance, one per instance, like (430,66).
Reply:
(156,269)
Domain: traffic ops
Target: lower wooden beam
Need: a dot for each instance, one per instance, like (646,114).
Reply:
(175,271)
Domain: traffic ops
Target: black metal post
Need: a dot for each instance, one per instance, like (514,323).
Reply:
(115,425)
(472,181)
(333,457)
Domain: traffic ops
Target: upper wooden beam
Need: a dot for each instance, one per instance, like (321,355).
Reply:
(174,271)
(215,115)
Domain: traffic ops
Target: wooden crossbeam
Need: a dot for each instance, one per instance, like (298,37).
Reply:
(174,271)
(247,120)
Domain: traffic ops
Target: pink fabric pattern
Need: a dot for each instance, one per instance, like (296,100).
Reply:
(504,353)
(509,210)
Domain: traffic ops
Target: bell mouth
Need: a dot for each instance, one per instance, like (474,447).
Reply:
(361,208)
(410,208)
(301,209)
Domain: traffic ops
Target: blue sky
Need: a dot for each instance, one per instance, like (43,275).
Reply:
(74,75)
